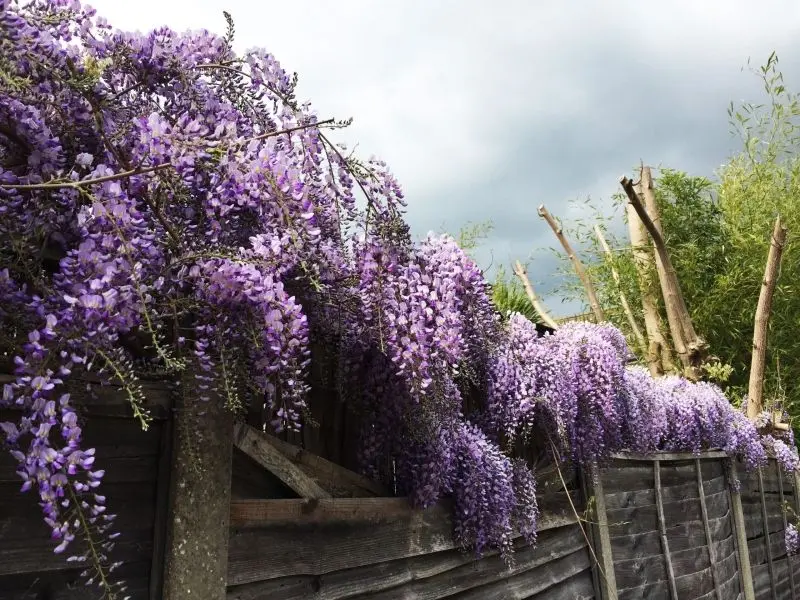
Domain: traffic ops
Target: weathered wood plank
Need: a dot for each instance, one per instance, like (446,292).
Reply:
(765,521)
(253,443)
(577,587)
(592,538)
(662,525)
(67,585)
(669,456)
(327,471)
(258,513)
(425,577)
(632,573)
(682,536)
(250,481)
(22,523)
(740,538)
(161,517)
(785,524)
(532,581)
(641,519)
(688,489)
(601,534)
(38,558)
(289,545)
(709,539)
(632,476)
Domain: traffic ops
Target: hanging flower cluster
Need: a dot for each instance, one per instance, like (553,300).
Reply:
(168,204)
(792,539)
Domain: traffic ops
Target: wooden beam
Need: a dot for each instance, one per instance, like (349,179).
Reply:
(300,511)
(659,353)
(330,471)
(662,528)
(712,555)
(253,443)
(740,536)
(770,564)
(668,456)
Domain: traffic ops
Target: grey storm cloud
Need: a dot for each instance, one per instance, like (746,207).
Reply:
(484,110)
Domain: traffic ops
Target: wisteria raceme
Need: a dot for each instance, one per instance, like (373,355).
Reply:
(644,411)
(168,204)
(792,539)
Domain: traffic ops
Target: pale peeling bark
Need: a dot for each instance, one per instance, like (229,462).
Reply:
(755,390)
(659,353)
(691,348)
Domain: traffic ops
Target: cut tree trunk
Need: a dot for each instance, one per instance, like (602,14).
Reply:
(576,263)
(755,390)
(690,347)
(659,353)
(668,292)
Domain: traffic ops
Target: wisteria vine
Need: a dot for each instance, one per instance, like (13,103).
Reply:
(168,204)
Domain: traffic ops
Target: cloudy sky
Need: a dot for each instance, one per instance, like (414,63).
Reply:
(485,109)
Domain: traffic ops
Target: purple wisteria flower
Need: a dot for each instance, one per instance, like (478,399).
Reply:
(167,204)
(792,538)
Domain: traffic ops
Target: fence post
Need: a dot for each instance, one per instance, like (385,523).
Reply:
(662,529)
(740,535)
(600,535)
(785,525)
(162,516)
(196,561)
(712,553)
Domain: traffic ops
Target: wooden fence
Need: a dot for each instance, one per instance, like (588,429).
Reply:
(302,526)
(677,529)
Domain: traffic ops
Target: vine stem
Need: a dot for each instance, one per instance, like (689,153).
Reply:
(104,584)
